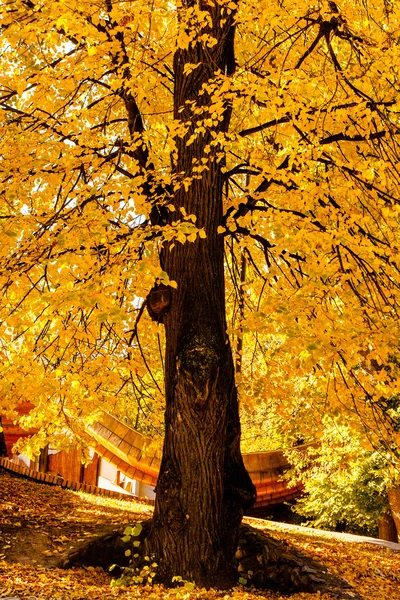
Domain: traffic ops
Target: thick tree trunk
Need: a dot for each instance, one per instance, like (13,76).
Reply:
(203,485)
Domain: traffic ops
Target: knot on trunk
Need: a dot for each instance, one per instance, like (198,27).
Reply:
(158,301)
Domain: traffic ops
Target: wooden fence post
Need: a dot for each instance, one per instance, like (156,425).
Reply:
(394,503)
(387,528)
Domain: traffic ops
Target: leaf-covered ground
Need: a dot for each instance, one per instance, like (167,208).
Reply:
(39,523)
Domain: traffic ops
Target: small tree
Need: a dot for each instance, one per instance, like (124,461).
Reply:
(346,484)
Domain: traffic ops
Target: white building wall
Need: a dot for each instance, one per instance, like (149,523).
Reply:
(108,477)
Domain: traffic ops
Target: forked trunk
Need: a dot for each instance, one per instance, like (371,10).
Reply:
(203,486)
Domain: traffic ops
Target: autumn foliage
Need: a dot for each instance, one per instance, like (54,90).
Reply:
(314,127)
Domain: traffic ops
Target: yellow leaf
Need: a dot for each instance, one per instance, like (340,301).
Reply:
(189,67)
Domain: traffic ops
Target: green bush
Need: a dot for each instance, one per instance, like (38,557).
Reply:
(345,483)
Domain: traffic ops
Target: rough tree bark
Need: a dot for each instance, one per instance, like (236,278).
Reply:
(203,485)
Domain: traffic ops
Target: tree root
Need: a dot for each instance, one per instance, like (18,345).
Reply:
(263,562)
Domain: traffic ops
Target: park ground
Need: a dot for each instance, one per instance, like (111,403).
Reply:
(40,524)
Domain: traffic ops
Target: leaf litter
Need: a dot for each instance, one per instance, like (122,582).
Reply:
(41,523)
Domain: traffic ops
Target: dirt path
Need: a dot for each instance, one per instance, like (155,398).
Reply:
(272,526)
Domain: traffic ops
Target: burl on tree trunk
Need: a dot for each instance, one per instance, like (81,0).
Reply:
(203,486)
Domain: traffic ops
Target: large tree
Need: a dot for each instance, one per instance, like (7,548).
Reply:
(136,138)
